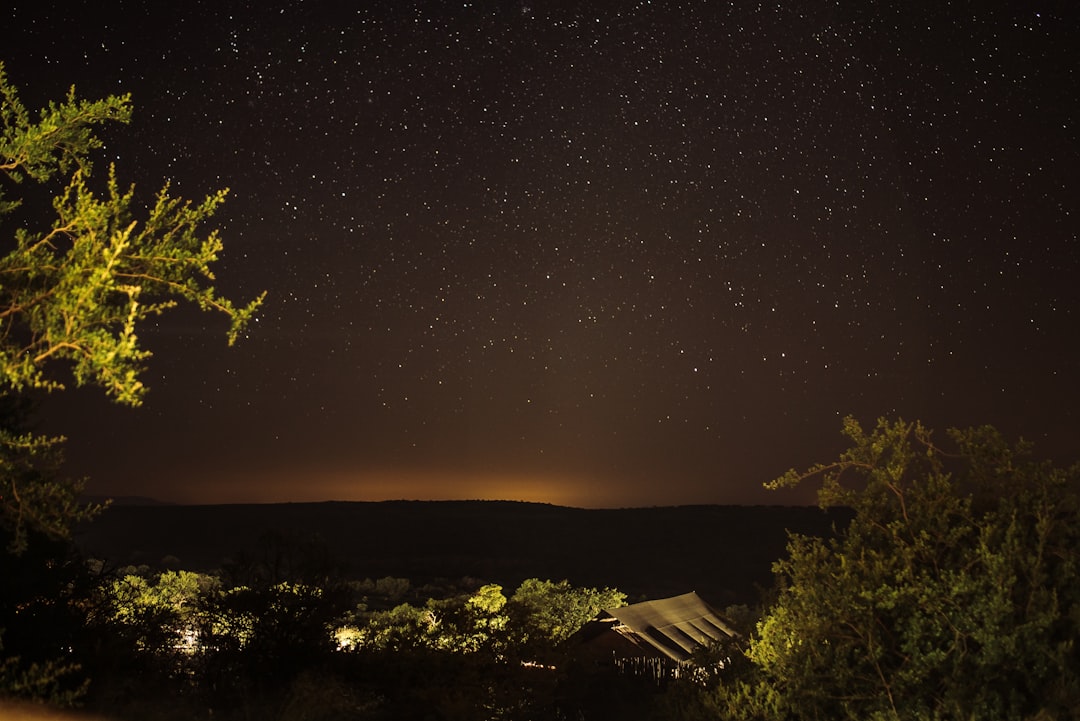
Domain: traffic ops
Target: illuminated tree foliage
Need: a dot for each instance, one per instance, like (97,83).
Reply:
(536,618)
(74,291)
(954,593)
(546,613)
(462,624)
(160,616)
(252,650)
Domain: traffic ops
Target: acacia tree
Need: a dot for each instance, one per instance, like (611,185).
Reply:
(953,593)
(74,291)
(543,614)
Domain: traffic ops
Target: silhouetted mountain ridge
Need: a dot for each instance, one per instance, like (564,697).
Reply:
(723,552)
(125,500)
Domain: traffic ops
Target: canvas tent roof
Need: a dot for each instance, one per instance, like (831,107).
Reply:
(675,627)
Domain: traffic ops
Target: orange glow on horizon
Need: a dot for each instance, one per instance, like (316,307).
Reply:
(305,486)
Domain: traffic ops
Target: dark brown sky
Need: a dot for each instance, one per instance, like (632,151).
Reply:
(596,254)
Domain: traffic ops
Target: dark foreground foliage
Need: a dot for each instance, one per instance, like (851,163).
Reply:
(181,645)
(953,593)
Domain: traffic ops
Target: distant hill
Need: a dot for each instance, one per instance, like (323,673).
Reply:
(126,500)
(723,552)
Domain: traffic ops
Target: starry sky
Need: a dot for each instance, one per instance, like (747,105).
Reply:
(591,253)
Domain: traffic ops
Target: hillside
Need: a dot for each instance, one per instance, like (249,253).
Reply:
(723,552)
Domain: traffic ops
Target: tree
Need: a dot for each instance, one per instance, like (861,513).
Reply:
(545,613)
(43,611)
(461,624)
(953,593)
(159,617)
(74,293)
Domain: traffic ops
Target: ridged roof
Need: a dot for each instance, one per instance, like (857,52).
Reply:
(676,626)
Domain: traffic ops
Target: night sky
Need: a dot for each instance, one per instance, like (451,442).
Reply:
(587,253)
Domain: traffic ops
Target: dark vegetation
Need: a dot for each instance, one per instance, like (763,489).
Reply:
(437,604)
(946,587)
(285,634)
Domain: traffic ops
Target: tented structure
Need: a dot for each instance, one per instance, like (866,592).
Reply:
(670,628)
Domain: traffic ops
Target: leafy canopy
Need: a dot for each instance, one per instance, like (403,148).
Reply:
(954,592)
(75,290)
